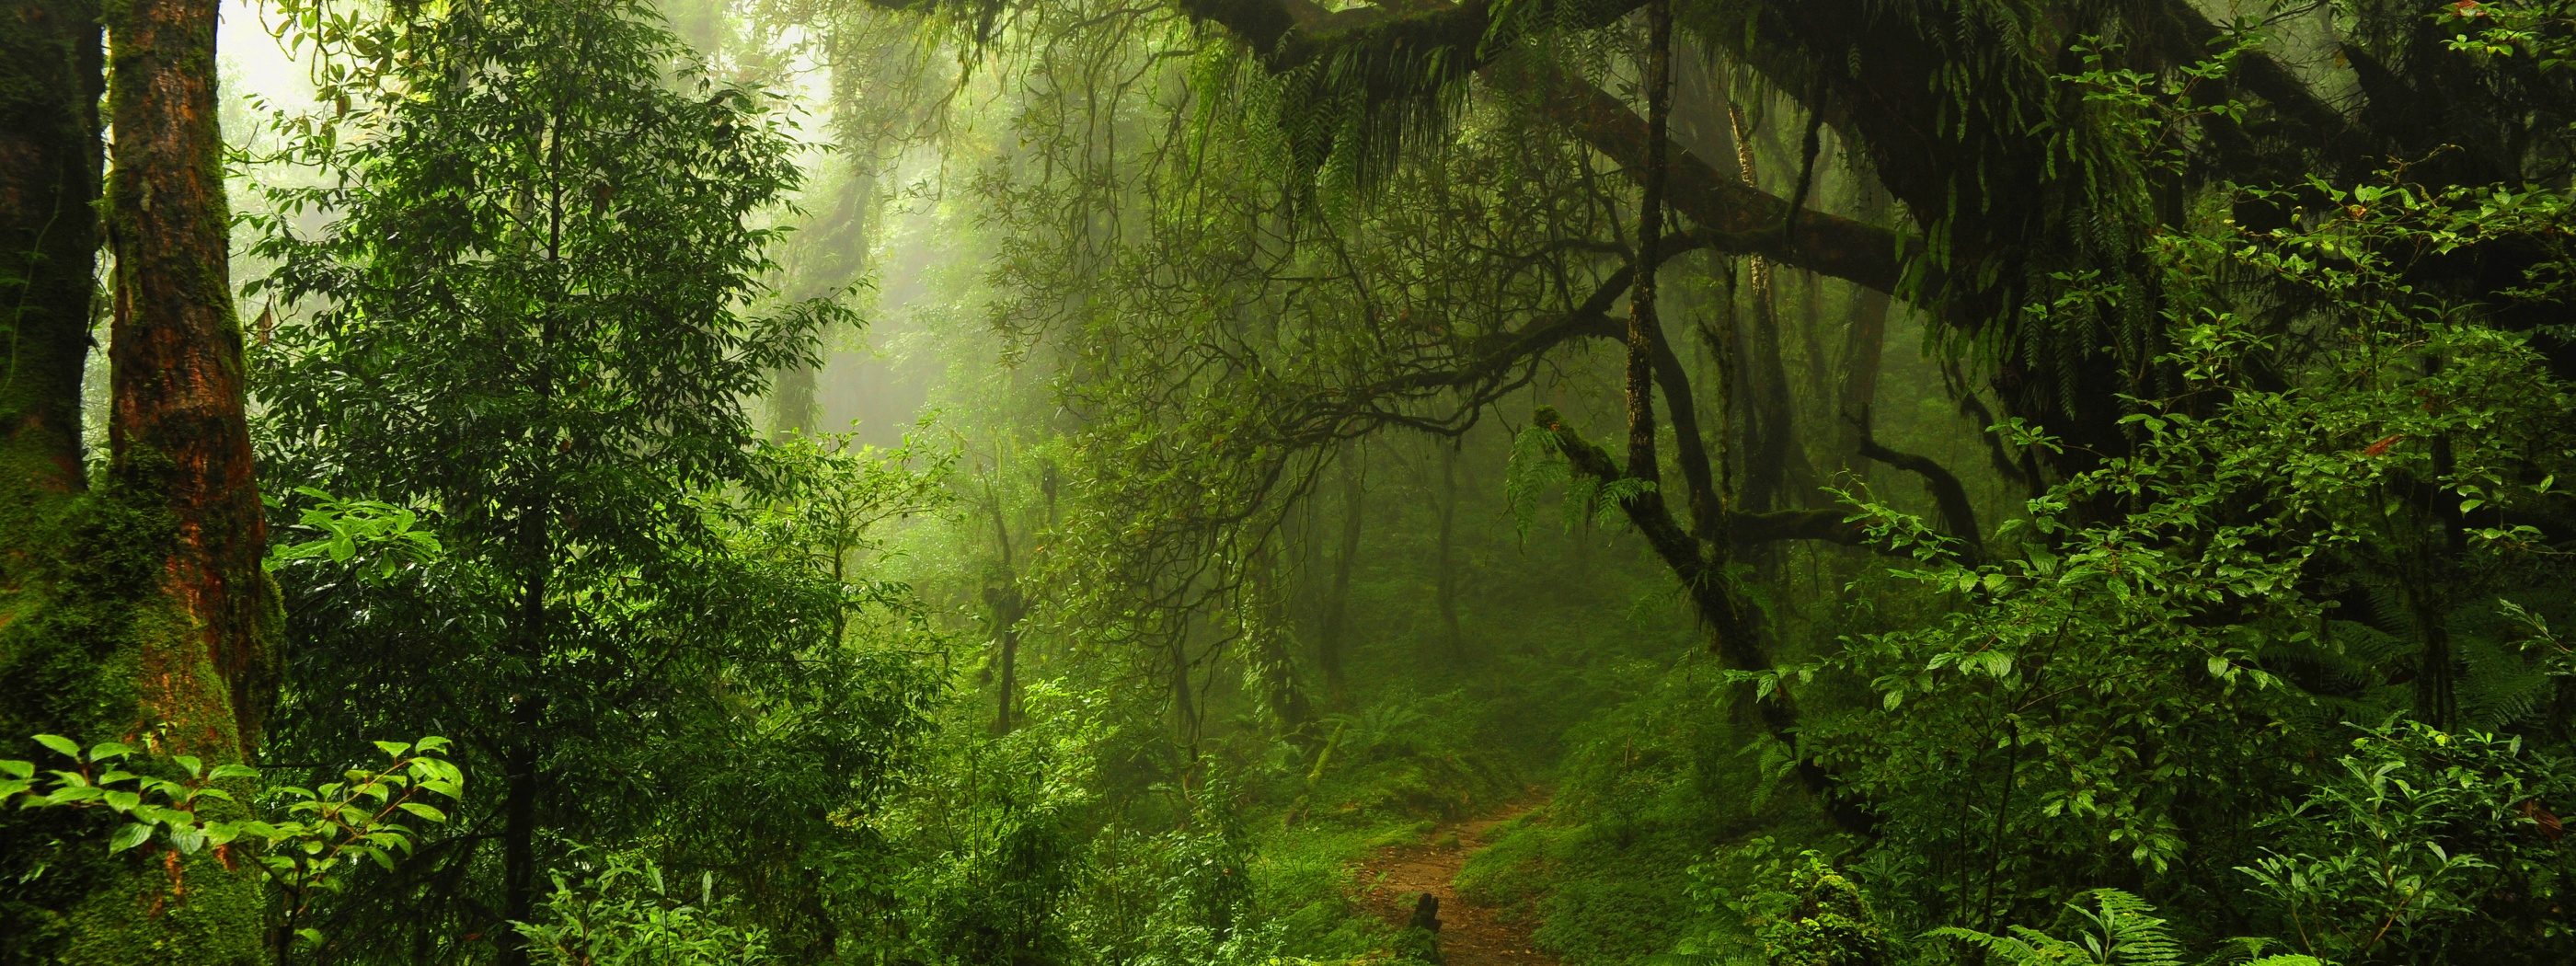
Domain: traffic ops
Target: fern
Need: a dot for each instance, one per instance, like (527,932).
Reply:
(2125,931)
(2131,933)
(1535,465)
(1611,496)
(2034,948)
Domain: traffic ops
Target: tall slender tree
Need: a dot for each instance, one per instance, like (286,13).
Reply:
(530,322)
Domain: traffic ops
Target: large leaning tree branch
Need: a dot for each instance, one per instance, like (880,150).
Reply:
(1745,220)
(1292,34)
(1965,151)
(1885,107)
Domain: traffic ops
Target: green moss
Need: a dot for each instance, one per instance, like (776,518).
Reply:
(84,628)
(191,912)
(1400,835)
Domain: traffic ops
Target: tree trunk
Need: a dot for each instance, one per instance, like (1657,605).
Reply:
(794,392)
(523,762)
(1445,572)
(52,71)
(1008,607)
(837,253)
(1863,347)
(1006,614)
(1185,711)
(164,583)
(1760,381)
(1332,641)
(176,352)
(1267,641)
(1776,474)
(50,77)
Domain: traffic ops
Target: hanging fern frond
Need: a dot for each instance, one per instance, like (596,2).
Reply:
(1535,465)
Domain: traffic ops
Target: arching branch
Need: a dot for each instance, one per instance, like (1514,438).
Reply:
(1958,516)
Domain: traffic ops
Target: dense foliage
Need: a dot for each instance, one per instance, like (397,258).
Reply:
(1291,447)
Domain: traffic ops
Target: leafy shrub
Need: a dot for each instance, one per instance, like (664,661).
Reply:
(308,847)
(2425,846)
(617,910)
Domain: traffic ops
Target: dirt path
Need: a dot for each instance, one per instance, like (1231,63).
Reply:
(1470,935)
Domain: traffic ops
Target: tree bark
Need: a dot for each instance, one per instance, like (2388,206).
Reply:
(1958,516)
(176,352)
(52,71)
(51,65)
(167,573)
(1185,712)
(1644,329)
(1745,219)
(1267,640)
(1761,380)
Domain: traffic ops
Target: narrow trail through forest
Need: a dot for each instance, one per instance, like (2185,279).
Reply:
(1470,935)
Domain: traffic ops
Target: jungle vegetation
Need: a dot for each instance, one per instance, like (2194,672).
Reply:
(948,482)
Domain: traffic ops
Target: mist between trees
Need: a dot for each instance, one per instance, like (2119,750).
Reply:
(1138,482)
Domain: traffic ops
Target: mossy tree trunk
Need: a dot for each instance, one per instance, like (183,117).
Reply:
(50,76)
(51,73)
(178,431)
(154,609)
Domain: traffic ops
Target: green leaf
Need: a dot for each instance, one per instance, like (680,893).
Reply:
(424,811)
(17,769)
(60,745)
(230,772)
(128,837)
(111,749)
(123,801)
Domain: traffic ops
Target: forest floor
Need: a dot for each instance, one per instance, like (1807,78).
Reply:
(1392,879)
